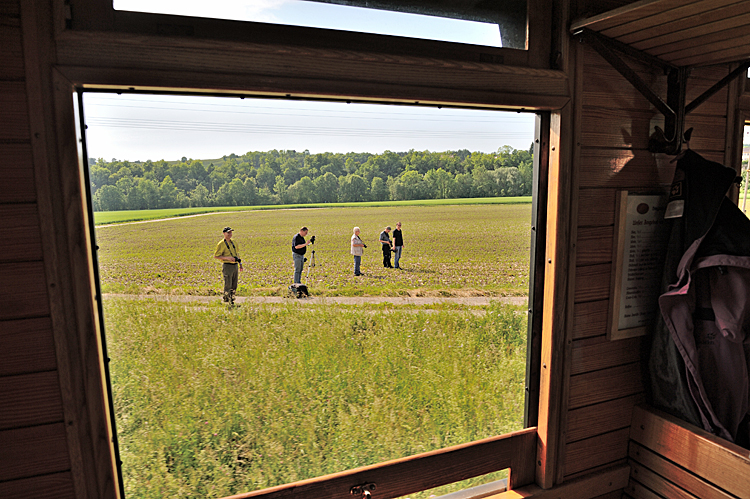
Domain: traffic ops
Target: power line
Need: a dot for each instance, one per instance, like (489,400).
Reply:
(500,116)
(188,126)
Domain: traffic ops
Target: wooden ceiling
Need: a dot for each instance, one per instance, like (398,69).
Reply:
(681,32)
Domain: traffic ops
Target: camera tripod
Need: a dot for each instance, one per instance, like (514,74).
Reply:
(310,261)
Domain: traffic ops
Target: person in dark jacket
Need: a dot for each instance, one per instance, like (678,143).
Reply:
(385,241)
(398,245)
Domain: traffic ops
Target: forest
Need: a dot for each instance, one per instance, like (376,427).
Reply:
(291,177)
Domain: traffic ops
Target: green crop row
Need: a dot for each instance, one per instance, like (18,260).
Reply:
(472,249)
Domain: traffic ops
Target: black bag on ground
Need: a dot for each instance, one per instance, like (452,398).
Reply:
(298,290)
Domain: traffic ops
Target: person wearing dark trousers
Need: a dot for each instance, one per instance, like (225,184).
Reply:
(299,247)
(385,240)
(398,244)
(227,252)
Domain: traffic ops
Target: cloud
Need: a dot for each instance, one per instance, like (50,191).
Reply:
(262,10)
(240,10)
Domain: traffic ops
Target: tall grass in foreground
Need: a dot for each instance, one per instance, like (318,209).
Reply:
(211,402)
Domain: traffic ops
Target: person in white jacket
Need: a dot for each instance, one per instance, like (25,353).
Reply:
(357,250)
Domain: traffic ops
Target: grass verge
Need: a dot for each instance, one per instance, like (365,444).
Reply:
(212,401)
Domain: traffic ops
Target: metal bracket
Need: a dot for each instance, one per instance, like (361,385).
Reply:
(670,139)
(363,490)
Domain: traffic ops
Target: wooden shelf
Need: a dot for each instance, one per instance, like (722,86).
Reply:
(681,32)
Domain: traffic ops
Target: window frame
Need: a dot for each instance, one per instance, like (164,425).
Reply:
(549,95)
(99,15)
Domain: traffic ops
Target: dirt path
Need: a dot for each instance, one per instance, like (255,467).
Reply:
(474,301)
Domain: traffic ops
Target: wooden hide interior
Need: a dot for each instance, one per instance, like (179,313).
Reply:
(54,415)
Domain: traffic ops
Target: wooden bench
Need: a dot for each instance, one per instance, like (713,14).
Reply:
(670,458)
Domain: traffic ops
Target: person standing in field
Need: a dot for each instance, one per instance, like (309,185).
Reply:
(227,252)
(398,245)
(299,247)
(357,250)
(385,240)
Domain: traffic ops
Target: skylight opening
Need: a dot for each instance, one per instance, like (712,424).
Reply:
(329,16)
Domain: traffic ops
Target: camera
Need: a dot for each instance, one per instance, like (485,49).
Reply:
(312,240)
(237,260)
(364,245)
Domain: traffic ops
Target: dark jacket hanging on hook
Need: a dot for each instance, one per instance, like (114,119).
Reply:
(706,305)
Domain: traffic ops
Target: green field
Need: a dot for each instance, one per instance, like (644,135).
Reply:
(212,401)
(449,250)
(113,217)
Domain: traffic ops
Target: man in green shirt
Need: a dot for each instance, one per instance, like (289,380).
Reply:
(227,252)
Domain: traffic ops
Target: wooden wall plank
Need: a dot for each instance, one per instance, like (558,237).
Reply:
(596,207)
(599,353)
(11,57)
(27,345)
(708,134)
(9,8)
(594,246)
(657,484)
(29,400)
(28,452)
(631,129)
(637,491)
(604,86)
(635,169)
(14,115)
(616,128)
(20,233)
(709,74)
(617,494)
(592,282)
(23,290)
(17,172)
(694,484)
(590,319)
(600,450)
(54,486)
(574,476)
(718,461)
(604,385)
(597,419)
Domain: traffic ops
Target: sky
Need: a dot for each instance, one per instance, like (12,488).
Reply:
(138,127)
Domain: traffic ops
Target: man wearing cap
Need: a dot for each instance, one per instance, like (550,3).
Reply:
(226,251)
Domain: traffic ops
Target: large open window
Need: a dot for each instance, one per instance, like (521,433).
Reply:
(405,396)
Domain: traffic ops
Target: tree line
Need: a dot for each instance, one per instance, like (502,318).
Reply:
(290,177)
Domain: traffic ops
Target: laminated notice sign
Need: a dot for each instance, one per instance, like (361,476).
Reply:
(641,237)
